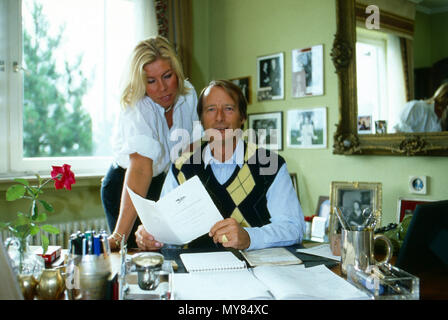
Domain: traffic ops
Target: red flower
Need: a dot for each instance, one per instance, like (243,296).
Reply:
(63,177)
(309,218)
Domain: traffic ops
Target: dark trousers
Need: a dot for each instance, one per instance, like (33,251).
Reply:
(111,189)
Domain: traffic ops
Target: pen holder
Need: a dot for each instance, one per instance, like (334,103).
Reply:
(94,273)
(87,277)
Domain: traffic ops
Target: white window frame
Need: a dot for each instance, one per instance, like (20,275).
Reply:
(11,110)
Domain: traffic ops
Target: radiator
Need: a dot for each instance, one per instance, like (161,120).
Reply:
(65,230)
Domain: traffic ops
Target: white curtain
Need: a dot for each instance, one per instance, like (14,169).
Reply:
(146,19)
(395,80)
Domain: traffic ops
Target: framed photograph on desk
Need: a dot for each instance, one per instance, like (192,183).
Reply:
(352,198)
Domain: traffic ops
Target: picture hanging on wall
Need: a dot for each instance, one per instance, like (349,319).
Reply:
(270,77)
(307,72)
(307,128)
(244,84)
(266,129)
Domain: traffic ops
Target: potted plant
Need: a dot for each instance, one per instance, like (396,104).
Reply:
(30,223)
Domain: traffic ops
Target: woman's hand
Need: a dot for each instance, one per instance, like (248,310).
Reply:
(145,241)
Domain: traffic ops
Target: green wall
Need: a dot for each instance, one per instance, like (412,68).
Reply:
(233,33)
(228,37)
(430,38)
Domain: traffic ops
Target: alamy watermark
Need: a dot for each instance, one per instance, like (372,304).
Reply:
(373,20)
(267,160)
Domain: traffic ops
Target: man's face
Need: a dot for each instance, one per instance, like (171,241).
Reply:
(220,115)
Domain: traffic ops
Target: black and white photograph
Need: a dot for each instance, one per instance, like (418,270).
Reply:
(268,129)
(356,201)
(307,72)
(270,84)
(245,85)
(307,128)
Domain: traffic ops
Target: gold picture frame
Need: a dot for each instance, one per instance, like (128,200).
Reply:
(345,195)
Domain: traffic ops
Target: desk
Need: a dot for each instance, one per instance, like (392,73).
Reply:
(433,286)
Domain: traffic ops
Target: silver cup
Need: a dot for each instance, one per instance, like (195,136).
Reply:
(357,249)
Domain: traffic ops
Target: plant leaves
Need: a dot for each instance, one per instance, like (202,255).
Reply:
(21,220)
(48,207)
(22,181)
(44,241)
(15,192)
(34,230)
(50,229)
(41,217)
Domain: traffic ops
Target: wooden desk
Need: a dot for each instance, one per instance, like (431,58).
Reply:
(433,286)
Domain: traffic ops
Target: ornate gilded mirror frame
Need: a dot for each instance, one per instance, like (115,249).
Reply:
(346,138)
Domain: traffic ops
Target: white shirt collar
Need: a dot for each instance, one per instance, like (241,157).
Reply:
(237,157)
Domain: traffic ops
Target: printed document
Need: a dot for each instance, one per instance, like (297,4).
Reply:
(323,250)
(181,216)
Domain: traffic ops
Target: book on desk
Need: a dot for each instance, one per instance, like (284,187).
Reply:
(212,280)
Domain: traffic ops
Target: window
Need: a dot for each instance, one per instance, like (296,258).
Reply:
(380,76)
(63,79)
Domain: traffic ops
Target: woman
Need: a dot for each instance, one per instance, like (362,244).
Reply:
(156,101)
(429,115)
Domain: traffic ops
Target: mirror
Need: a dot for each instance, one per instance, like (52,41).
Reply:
(347,140)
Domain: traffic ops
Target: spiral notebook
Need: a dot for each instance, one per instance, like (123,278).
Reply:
(211,261)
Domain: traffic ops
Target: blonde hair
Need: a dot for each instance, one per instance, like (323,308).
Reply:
(146,52)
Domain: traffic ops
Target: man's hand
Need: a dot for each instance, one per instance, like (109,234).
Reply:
(230,234)
(145,241)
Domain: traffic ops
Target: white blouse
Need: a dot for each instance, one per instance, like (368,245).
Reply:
(143,129)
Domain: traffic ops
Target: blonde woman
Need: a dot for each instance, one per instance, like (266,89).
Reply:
(156,100)
(429,115)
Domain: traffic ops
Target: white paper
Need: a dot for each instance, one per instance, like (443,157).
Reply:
(297,282)
(211,261)
(181,216)
(221,285)
(323,250)
(270,256)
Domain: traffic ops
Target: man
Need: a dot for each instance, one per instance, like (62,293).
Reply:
(258,203)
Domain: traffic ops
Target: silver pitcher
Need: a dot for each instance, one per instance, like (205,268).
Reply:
(357,249)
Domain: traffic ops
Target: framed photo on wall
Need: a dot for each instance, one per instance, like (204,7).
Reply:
(270,77)
(307,128)
(266,129)
(307,72)
(407,206)
(245,84)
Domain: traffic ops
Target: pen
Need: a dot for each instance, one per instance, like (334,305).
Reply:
(341,218)
(96,245)
(103,244)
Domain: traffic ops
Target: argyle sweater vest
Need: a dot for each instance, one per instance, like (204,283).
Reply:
(242,196)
